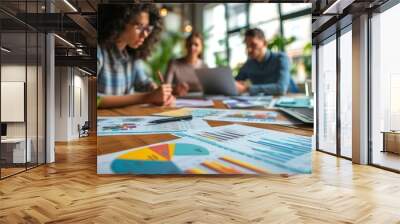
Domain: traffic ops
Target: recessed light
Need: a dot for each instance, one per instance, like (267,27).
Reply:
(5,50)
(70,5)
(64,40)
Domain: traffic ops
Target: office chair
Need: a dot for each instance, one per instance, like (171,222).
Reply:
(84,130)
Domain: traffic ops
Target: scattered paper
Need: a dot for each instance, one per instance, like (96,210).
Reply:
(131,125)
(194,103)
(232,149)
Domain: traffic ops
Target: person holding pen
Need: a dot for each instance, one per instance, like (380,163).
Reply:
(126,35)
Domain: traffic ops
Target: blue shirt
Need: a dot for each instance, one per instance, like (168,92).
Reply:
(119,74)
(269,77)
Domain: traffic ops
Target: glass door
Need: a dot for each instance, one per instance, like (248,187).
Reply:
(327,96)
(385,89)
(346,93)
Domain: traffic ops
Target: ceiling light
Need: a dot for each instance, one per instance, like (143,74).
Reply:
(5,50)
(65,41)
(163,12)
(188,28)
(337,7)
(70,5)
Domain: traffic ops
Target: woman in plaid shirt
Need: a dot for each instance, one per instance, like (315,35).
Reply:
(126,34)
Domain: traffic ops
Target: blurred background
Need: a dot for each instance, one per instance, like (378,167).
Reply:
(287,27)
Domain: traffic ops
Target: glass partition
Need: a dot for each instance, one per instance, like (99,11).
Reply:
(346,93)
(22,90)
(327,96)
(385,89)
(15,151)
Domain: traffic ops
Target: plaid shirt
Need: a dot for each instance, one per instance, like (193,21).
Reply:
(125,77)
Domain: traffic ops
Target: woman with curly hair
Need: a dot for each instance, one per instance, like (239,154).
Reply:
(126,34)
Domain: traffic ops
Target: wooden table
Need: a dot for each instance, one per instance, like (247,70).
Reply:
(110,144)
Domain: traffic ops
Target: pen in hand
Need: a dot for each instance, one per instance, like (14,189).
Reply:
(160,77)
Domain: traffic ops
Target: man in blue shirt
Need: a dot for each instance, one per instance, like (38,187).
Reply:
(267,71)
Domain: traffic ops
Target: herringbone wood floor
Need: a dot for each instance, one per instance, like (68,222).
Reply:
(69,191)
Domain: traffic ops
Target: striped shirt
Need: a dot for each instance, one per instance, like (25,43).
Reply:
(125,76)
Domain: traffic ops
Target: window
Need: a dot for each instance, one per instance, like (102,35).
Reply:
(237,15)
(327,96)
(346,94)
(224,44)
(215,35)
(237,50)
(294,7)
(296,28)
(263,12)
(385,84)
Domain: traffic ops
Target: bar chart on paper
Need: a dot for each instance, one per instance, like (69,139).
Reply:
(275,151)
(232,149)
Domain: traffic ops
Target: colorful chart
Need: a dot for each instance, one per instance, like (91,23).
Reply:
(254,115)
(195,112)
(248,116)
(141,125)
(230,149)
(156,159)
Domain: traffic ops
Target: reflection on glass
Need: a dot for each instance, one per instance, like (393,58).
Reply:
(346,94)
(327,97)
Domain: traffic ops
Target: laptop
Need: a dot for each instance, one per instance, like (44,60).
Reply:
(300,108)
(217,81)
(305,115)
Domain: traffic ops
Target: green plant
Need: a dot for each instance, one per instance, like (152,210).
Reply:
(307,51)
(279,43)
(164,51)
(220,59)
(98,101)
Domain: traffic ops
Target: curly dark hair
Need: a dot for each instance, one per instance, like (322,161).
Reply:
(112,19)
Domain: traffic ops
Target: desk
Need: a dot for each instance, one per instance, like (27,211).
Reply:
(110,144)
(13,150)
(391,141)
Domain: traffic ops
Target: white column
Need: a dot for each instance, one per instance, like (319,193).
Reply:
(360,90)
(50,108)
(50,92)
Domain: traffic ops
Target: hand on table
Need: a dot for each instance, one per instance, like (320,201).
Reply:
(242,87)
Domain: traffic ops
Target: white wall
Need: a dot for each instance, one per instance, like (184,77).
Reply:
(71,94)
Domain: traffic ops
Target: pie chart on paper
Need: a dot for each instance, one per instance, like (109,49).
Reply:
(155,159)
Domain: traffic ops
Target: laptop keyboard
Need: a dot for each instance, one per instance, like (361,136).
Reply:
(305,115)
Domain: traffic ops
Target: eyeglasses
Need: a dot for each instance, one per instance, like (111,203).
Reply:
(142,29)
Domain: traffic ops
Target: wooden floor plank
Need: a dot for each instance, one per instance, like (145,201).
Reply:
(70,191)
